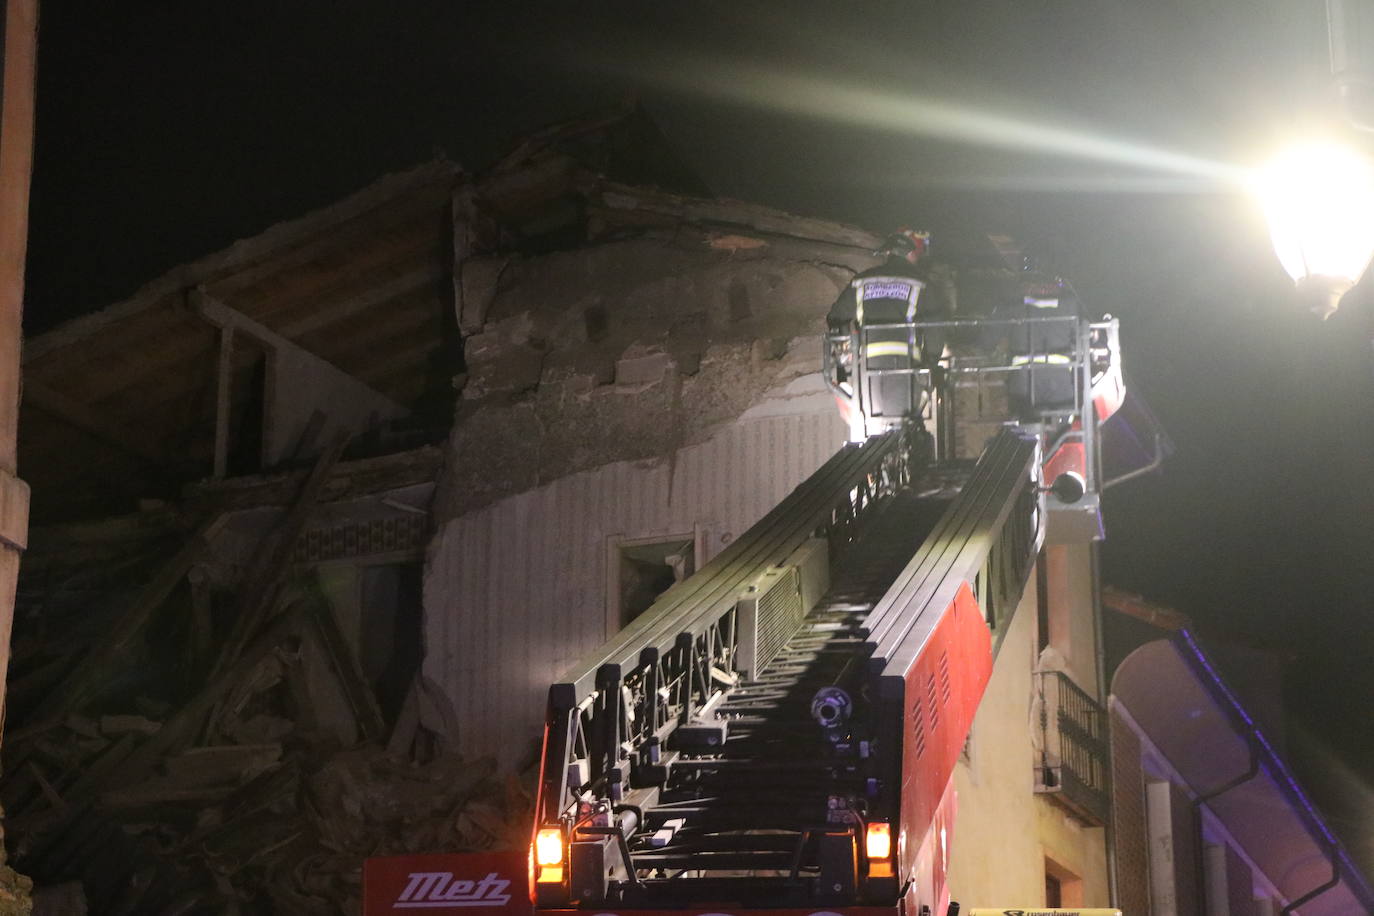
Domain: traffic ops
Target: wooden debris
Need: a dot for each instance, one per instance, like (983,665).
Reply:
(115,726)
(350,674)
(230,789)
(66,899)
(229,763)
(259,729)
(159,792)
(83,725)
(114,650)
(272,560)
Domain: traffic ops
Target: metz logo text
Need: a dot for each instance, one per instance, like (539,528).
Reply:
(435,889)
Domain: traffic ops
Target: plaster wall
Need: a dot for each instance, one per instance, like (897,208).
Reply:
(1072,634)
(627,350)
(1004,832)
(666,385)
(298,385)
(516,591)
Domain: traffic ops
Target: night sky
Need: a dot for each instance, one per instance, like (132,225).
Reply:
(166,131)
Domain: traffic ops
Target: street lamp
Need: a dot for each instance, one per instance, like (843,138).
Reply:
(1319,201)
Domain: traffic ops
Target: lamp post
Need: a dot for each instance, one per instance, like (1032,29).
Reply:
(1319,197)
(1319,201)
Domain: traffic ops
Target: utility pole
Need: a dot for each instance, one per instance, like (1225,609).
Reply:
(20,40)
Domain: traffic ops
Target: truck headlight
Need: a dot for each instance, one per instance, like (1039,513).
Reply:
(548,846)
(878,840)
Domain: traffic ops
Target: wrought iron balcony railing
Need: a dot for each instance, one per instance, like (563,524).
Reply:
(1073,761)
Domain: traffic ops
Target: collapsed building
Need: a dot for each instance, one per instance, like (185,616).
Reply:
(318,518)
(282,581)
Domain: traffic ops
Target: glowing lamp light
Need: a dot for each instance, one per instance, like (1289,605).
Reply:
(548,847)
(1319,201)
(878,840)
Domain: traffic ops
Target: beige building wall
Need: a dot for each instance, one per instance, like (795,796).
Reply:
(1073,636)
(1006,837)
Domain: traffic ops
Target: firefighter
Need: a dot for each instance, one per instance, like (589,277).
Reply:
(892,293)
(901,250)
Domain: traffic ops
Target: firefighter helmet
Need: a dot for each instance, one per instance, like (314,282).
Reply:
(905,243)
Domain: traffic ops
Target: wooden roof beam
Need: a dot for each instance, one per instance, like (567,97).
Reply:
(226,318)
(69,410)
(334,312)
(243,253)
(1156,615)
(300,387)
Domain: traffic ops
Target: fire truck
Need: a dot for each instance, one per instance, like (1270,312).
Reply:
(777,734)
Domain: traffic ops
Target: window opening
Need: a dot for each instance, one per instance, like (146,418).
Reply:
(390,644)
(1063,888)
(647,569)
(1054,892)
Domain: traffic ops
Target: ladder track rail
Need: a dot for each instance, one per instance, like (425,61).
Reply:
(768,543)
(955,551)
(661,670)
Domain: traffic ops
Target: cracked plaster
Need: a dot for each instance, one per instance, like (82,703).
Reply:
(631,350)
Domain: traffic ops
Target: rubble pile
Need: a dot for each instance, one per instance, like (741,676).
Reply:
(166,757)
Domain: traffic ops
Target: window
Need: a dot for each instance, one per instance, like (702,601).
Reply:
(1062,887)
(644,568)
(391,642)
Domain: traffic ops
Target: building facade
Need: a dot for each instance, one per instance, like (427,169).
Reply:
(451,434)
(1209,818)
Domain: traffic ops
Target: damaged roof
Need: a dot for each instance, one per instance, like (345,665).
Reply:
(122,404)
(126,397)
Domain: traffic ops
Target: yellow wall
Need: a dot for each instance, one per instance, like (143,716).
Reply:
(1004,832)
(1072,632)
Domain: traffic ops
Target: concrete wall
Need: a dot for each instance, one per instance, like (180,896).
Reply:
(1004,832)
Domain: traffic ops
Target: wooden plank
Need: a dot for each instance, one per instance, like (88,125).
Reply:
(19,37)
(49,793)
(272,561)
(242,253)
(202,618)
(351,242)
(362,477)
(375,256)
(222,316)
(224,377)
(732,212)
(344,662)
(99,425)
(329,313)
(344,339)
(116,647)
(225,763)
(184,721)
(184,357)
(1156,615)
(407,723)
(50,826)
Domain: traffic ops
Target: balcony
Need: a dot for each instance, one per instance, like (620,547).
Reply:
(1072,763)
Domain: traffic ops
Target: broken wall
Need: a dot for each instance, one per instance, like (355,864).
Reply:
(630,349)
(666,386)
